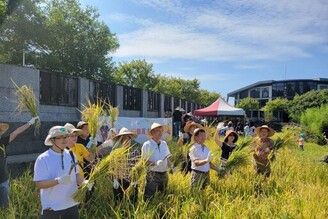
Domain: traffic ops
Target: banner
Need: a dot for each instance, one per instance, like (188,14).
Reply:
(139,125)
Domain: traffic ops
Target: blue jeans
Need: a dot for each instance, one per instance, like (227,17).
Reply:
(4,194)
(176,128)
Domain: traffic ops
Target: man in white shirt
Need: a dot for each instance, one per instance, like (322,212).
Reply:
(157,154)
(201,158)
(57,176)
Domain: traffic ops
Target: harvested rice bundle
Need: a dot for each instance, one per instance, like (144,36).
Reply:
(26,101)
(91,114)
(285,139)
(113,115)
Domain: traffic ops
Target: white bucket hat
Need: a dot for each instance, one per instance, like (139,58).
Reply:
(80,124)
(154,126)
(55,132)
(71,128)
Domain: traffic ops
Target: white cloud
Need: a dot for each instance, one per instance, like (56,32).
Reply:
(227,30)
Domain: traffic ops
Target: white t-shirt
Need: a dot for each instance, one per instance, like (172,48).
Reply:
(198,152)
(49,166)
(152,152)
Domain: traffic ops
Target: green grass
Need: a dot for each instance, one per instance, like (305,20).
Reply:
(297,188)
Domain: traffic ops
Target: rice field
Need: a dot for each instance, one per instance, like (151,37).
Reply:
(297,188)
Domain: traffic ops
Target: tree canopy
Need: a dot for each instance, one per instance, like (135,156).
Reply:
(249,103)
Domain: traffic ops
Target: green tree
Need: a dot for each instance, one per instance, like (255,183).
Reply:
(248,103)
(274,106)
(311,99)
(137,73)
(315,119)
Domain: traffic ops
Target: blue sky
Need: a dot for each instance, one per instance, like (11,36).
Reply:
(226,44)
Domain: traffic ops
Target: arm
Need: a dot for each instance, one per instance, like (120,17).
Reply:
(45,184)
(18,131)
(200,162)
(216,138)
(79,179)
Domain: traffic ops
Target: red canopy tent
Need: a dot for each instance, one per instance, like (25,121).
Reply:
(219,108)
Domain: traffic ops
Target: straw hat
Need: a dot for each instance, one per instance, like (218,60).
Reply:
(206,130)
(55,132)
(189,124)
(228,133)
(124,131)
(154,126)
(3,128)
(258,129)
(71,128)
(80,124)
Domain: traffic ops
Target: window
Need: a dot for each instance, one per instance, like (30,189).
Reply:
(265,92)
(153,101)
(104,91)
(255,93)
(243,94)
(58,89)
(323,86)
(131,98)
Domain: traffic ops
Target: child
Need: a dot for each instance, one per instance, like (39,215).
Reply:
(227,146)
(301,141)
(262,148)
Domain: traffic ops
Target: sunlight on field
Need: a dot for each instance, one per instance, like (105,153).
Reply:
(297,188)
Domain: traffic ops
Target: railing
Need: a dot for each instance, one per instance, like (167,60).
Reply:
(131,98)
(153,101)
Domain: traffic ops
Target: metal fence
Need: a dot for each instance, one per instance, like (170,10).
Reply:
(131,98)
(104,91)
(153,101)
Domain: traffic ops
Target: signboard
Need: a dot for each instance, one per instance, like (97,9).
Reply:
(139,125)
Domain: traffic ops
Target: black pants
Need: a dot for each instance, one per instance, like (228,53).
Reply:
(119,192)
(69,213)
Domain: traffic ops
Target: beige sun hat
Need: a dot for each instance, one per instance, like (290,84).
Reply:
(154,126)
(80,124)
(207,133)
(258,129)
(55,131)
(125,131)
(189,124)
(3,128)
(71,128)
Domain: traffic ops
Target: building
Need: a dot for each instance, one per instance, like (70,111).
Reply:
(263,91)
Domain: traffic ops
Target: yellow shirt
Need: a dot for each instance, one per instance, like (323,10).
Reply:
(80,152)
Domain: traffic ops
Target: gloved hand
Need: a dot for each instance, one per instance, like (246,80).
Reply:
(159,163)
(107,143)
(88,184)
(135,184)
(33,120)
(181,135)
(90,143)
(65,179)
(209,157)
(116,184)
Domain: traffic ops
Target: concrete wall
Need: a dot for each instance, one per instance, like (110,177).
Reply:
(51,115)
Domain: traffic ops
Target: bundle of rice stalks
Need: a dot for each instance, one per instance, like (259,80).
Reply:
(113,115)
(237,159)
(104,170)
(245,142)
(91,113)
(285,139)
(138,173)
(26,101)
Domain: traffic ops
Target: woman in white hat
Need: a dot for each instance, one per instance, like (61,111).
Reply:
(124,139)
(262,148)
(57,177)
(157,154)
(4,142)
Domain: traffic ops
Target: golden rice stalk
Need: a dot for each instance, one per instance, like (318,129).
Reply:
(111,165)
(138,173)
(285,139)
(113,115)
(26,101)
(237,159)
(245,142)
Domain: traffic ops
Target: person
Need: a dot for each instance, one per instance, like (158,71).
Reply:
(177,119)
(85,139)
(230,126)
(301,141)
(188,117)
(156,153)
(185,138)
(262,147)
(227,147)
(124,139)
(78,149)
(57,176)
(201,158)
(251,129)
(247,130)
(4,142)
